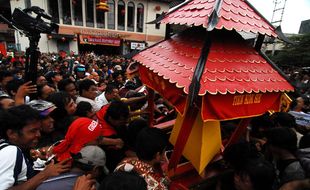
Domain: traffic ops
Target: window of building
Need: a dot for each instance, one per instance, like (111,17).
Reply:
(140,17)
(66,11)
(77,12)
(90,13)
(53,10)
(111,15)
(100,18)
(121,15)
(27,3)
(130,16)
(157,26)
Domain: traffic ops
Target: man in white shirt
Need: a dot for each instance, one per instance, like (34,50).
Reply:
(19,132)
(107,96)
(88,93)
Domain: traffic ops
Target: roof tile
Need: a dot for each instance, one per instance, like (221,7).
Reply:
(232,65)
(236,14)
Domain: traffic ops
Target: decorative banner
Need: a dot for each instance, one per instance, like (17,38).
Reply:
(99,40)
(234,106)
(285,103)
(204,141)
(214,107)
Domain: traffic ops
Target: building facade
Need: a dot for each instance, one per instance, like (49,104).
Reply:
(83,28)
(7,39)
(304,27)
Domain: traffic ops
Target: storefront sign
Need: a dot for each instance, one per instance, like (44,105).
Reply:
(137,45)
(99,40)
(100,32)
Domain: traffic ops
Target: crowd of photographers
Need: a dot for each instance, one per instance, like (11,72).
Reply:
(83,124)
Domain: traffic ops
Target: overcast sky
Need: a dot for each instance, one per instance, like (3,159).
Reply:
(295,11)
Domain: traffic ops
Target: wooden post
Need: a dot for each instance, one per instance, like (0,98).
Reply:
(150,102)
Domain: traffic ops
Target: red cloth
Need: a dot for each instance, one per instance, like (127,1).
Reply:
(107,129)
(80,132)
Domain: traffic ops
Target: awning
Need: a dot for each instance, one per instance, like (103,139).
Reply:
(99,40)
(61,36)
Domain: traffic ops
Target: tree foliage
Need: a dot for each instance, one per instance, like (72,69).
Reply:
(297,54)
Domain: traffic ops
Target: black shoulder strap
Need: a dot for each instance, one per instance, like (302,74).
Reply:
(18,164)
(3,144)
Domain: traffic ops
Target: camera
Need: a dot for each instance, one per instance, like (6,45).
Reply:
(24,21)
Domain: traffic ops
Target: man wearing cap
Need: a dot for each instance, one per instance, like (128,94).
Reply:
(80,72)
(47,122)
(6,101)
(89,160)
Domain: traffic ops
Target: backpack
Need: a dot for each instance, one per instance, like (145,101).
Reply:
(18,163)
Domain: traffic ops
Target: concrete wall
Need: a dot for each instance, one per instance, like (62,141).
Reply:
(73,45)
(151,15)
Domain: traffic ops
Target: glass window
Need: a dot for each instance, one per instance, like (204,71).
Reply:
(100,17)
(90,13)
(121,15)
(77,12)
(66,11)
(53,10)
(111,14)
(130,16)
(140,17)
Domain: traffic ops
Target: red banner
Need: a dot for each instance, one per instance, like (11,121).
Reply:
(234,106)
(214,107)
(99,40)
(2,49)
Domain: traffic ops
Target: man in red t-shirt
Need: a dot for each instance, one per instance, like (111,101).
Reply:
(113,119)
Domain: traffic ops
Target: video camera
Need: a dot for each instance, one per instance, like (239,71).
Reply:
(32,27)
(29,25)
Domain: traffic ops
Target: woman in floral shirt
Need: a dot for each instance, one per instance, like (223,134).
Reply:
(150,146)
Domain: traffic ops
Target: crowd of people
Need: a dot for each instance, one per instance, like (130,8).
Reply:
(84,125)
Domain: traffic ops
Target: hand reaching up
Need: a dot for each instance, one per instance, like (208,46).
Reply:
(85,183)
(53,169)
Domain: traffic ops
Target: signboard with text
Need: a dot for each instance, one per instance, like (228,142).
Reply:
(99,40)
(137,45)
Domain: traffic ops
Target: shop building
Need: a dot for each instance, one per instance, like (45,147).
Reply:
(7,40)
(83,28)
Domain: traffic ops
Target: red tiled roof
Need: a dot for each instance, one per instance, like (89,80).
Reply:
(232,65)
(233,14)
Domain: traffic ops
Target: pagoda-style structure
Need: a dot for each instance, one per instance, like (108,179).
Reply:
(210,74)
